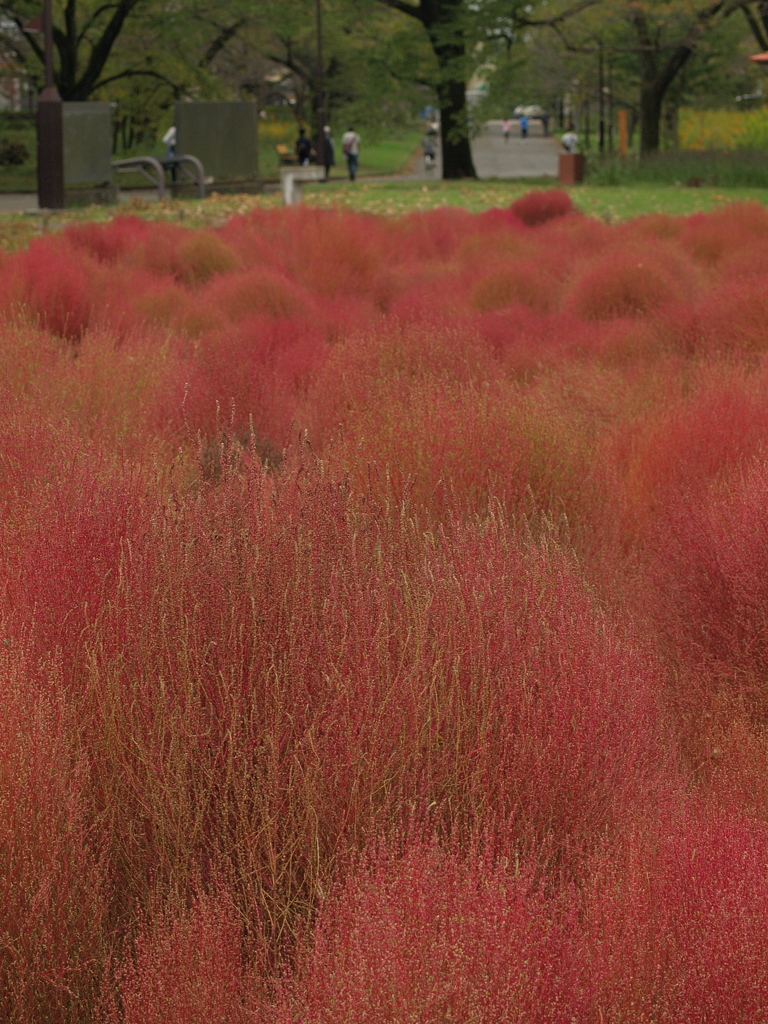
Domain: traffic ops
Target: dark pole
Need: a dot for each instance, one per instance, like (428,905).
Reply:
(610,106)
(50,129)
(320,103)
(601,97)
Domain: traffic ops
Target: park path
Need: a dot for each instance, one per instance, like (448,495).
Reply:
(533,157)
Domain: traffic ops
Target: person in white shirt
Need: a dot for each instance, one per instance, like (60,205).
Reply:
(350,144)
(169,140)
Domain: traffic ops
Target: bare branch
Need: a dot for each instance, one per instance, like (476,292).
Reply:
(93,19)
(405,8)
(755,27)
(570,12)
(221,41)
(131,73)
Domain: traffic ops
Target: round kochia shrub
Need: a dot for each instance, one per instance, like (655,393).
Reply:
(187,966)
(539,207)
(627,283)
(55,288)
(710,563)
(423,932)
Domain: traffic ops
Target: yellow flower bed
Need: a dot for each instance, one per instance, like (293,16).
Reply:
(724,129)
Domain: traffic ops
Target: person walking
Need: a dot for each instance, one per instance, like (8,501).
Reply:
(170,153)
(570,141)
(523,127)
(328,151)
(303,148)
(429,146)
(506,124)
(350,144)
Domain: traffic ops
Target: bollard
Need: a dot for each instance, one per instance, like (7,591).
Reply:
(571,168)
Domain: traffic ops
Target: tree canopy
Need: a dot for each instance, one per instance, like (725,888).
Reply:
(383,59)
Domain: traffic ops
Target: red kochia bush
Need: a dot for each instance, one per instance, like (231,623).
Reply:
(691,439)
(257,291)
(54,897)
(539,207)
(628,283)
(55,288)
(109,242)
(188,967)
(675,928)
(672,930)
(59,565)
(711,569)
(423,933)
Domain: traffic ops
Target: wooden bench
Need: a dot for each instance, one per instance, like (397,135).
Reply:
(292,178)
(285,155)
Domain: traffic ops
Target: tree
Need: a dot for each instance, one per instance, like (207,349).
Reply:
(375,65)
(756,15)
(660,64)
(661,36)
(445,23)
(84,37)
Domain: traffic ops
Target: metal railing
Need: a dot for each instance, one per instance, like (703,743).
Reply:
(154,168)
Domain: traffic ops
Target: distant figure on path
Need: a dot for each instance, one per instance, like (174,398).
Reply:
(303,148)
(170,141)
(570,141)
(328,152)
(429,145)
(350,144)
(545,123)
(506,124)
(523,127)
(170,151)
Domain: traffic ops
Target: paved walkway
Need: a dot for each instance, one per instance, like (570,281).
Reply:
(533,157)
(18,202)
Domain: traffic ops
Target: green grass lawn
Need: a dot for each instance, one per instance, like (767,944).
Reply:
(609,202)
(393,198)
(386,156)
(22,178)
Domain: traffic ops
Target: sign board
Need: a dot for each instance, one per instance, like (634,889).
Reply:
(87,143)
(222,135)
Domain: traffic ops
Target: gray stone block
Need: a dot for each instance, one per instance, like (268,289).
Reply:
(223,135)
(87,143)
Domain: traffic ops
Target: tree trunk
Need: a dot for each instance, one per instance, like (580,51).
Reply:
(454,130)
(650,117)
(443,21)
(656,78)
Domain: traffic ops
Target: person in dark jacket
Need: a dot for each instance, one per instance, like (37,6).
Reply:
(303,148)
(328,152)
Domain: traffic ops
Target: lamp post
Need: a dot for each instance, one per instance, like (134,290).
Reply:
(50,128)
(320,146)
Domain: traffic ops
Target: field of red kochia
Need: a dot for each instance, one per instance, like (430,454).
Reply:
(384,620)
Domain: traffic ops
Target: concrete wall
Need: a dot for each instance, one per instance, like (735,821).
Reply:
(87,143)
(224,136)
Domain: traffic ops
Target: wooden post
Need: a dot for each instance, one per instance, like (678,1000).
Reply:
(623,133)
(50,144)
